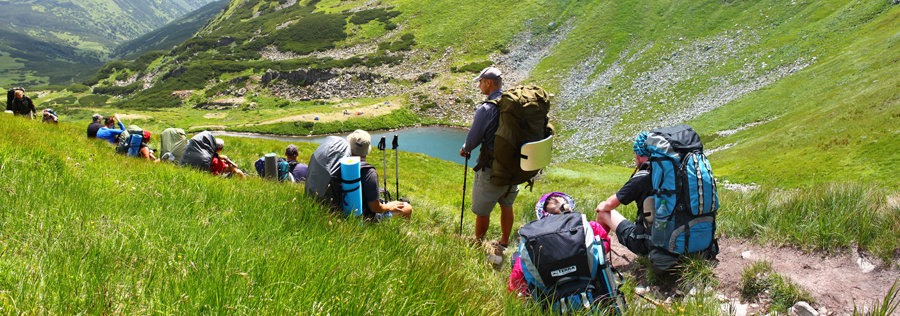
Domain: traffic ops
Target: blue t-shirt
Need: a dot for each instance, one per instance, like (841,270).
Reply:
(109,134)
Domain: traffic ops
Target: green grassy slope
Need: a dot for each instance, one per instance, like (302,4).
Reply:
(114,234)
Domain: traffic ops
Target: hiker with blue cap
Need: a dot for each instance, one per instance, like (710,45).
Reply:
(633,235)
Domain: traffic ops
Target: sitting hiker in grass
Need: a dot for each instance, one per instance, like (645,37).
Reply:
(373,208)
(550,204)
(108,133)
(94,126)
(221,164)
(145,150)
(637,189)
(49,116)
(298,169)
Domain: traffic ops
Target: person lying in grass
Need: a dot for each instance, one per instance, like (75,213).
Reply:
(548,205)
(145,150)
(373,208)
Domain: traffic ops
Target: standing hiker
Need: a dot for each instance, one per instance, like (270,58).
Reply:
(94,126)
(373,208)
(20,104)
(484,193)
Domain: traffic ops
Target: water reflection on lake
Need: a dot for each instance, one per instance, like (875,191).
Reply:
(439,142)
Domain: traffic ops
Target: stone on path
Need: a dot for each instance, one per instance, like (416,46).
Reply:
(803,309)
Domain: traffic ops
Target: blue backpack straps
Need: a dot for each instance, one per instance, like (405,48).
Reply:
(134,144)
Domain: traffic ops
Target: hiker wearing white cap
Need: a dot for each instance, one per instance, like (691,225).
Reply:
(373,208)
(484,193)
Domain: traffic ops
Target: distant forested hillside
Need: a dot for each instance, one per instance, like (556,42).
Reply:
(59,41)
(170,35)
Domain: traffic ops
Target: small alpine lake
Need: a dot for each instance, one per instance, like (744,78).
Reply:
(435,141)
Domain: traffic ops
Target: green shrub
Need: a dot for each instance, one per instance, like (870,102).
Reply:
(382,15)
(93,100)
(117,90)
(315,32)
(77,88)
(67,100)
(474,67)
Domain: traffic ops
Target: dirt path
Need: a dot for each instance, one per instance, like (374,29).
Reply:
(836,282)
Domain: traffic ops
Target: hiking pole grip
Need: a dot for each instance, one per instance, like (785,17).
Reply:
(396,144)
(381,143)
(462,207)
(381,147)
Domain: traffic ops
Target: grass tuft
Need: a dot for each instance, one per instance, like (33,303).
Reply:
(759,280)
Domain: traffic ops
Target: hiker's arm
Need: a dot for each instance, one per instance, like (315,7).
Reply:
(610,204)
(476,132)
(394,206)
(121,126)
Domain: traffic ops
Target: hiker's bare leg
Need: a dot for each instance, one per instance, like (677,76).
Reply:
(507,218)
(609,220)
(481,226)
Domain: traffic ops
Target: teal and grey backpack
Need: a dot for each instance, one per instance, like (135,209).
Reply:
(129,141)
(685,195)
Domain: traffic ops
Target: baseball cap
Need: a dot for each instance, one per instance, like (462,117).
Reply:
(291,151)
(489,73)
(360,143)
(220,143)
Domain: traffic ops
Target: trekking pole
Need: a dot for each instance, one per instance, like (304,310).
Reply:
(381,147)
(462,207)
(396,165)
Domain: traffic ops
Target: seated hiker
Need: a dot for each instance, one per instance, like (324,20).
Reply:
(548,205)
(94,126)
(49,116)
(373,208)
(298,169)
(108,133)
(637,189)
(145,150)
(221,164)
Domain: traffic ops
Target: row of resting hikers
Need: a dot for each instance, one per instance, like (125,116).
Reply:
(694,233)
(203,151)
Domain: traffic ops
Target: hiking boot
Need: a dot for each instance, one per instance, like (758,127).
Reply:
(495,248)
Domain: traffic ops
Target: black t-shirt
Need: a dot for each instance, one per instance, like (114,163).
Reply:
(637,188)
(92,129)
(369,179)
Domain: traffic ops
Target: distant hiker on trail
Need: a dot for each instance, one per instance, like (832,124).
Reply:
(298,169)
(145,151)
(108,133)
(549,204)
(94,126)
(484,193)
(49,116)
(20,104)
(373,208)
(221,163)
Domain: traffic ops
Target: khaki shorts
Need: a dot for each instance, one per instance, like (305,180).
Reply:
(485,194)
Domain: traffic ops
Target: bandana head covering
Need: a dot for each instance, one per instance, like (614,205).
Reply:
(539,207)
